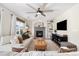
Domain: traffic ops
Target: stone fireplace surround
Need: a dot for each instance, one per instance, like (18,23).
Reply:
(41,31)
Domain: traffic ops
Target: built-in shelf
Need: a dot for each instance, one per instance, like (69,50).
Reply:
(49,28)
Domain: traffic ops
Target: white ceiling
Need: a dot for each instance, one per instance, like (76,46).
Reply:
(21,9)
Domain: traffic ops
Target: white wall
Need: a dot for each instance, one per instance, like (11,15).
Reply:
(72,16)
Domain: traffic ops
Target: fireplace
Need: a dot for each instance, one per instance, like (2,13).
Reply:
(39,33)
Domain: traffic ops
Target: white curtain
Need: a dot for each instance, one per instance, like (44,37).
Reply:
(5,22)
(13,25)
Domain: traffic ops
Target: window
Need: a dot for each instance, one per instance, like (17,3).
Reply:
(20,25)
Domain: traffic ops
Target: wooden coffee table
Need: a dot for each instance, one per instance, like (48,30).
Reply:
(40,44)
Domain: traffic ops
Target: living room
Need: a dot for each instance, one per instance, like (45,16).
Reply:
(37,27)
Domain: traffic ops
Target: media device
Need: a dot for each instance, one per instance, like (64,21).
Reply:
(62,25)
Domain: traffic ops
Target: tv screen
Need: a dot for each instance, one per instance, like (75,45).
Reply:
(62,25)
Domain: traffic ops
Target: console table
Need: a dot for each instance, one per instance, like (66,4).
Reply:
(58,38)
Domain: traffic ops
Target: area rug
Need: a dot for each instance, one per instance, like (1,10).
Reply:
(51,46)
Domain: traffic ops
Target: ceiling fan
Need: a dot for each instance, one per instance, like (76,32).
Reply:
(41,10)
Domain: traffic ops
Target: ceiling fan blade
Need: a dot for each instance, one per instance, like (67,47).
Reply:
(30,12)
(48,10)
(31,7)
(43,6)
(43,14)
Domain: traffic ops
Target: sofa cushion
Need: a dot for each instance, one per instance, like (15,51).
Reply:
(14,40)
(17,40)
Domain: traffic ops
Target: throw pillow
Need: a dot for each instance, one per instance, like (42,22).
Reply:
(20,39)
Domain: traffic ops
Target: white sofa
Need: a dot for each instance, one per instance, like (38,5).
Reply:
(8,42)
(25,43)
(6,46)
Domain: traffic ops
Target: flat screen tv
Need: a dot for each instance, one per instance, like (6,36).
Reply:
(62,25)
